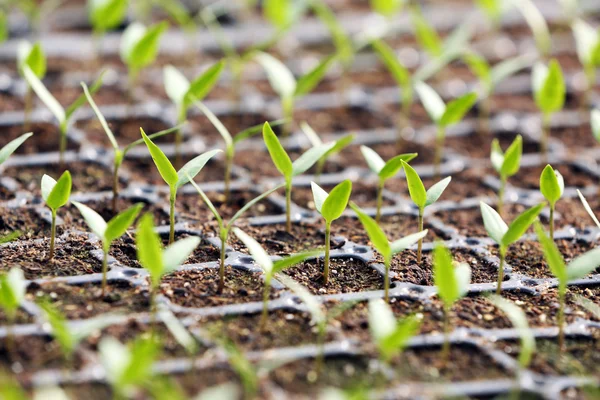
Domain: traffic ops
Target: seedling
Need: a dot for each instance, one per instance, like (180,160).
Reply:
(576,269)
(105,15)
(315,140)
(290,169)
(154,259)
(3,27)
(12,146)
(506,164)
(387,8)
(425,34)
(402,77)
(549,91)
(390,336)
(589,305)
(55,194)
(270,267)
(109,231)
(120,153)
(230,141)
(452,281)
(175,179)
(443,115)
(552,186)
(183,93)
(537,24)
(493,10)
(12,294)
(519,320)
(505,235)
(386,248)
(384,170)
(595,124)
(330,206)
(281,14)
(225,228)
(287,87)
(421,197)
(587,41)
(588,209)
(33,56)
(139,47)
(128,367)
(63,116)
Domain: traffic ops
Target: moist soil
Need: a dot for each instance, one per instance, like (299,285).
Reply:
(344,119)
(353,156)
(570,212)
(364,195)
(143,171)
(198,287)
(529,177)
(126,130)
(26,221)
(478,145)
(72,257)
(45,138)
(235,123)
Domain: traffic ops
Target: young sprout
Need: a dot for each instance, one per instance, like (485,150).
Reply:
(12,146)
(505,235)
(421,197)
(452,281)
(287,87)
(315,140)
(549,92)
(3,26)
(506,164)
(330,206)
(587,41)
(390,336)
(386,248)
(63,116)
(443,115)
(576,269)
(552,186)
(281,14)
(105,15)
(156,260)
(175,179)
(402,77)
(270,267)
(55,194)
(128,368)
(384,170)
(425,33)
(225,228)
(109,231)
(33,56)
(230,141)
(183,93)
(290,169)
(588,209)
(387,8)
(537,24)
(519,320)
(139,47)
(12,294)
(493,10)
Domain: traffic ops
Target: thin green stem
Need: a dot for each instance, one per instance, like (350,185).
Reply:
(439,150)
(62,146)
(105,248)
(28,106)
(501,194)
(386,281)
(288,206)
(224,234)
(319,169)
(379,200)
(501,270)
(228,165)
(115,188)
(551,222)
(561,317)
(52,235)
(287,106)
(172,197)
(446,346)
(545,134)
(327,250)
(179,136)
(420,243)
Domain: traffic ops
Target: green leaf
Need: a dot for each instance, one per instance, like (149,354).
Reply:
(223,131)
(374,161)
(253,130)
(252,202)
(496,155)
(12,146)
(508,68)
(583,265)
(407,241)
(587,207)
(387,8)
(394,165)
(79,101)
(144,50)
(193,167)
(280,77)
(512,158)
(179,332)
(595,123)
(103,123)
(309,158)
(552,184)
(107,14)
(341,40)
(114,357)
(339,145)
(38,87)
(537,23)
(143,352)
(209,204)
(553,257)
(93,220)
(56,193)
(60,329)
(518,227)
(493,222)
(335,204)
(294,259)
(256,251)
(415,186)
(319,196)
(278,155)
(203,84)
(117,226)
(549,87)
(164,166)
(492,8)
(12,290)
(382,322)
(278,12)
(307,82)
(176,84)
(149,249)
(33,57)
(443,275)
(435,191)
(426,35)
(586,41)
(397,340)
(176,253)
(3,27)
(376,234)
(457,108)
(589,305)
(481,68)
(433,103)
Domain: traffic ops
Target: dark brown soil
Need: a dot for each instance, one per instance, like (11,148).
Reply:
(353,156)
(126,131)
(364,195)
(32,353)
(200,126)
(198,287)
(144,171)
(345,275)
(72,257)
(529,177)
(478,145)
(10,103)
(106,95)
(330,120)
(575,138)
(27,221)
(571,212)
(45,138)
